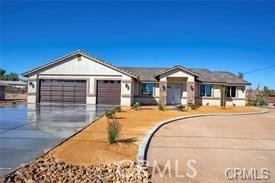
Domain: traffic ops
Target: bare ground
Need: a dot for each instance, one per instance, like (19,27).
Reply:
(90,146)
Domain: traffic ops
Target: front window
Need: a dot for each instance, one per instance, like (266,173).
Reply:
(231,91)
(147,89)
(206,90)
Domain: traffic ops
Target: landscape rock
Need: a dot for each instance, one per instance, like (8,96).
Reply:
(48,169)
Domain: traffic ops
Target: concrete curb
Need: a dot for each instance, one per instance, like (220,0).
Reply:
(144,146)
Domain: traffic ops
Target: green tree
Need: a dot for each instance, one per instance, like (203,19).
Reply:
(241,75)
(266,90)
(12,77)
(2,73)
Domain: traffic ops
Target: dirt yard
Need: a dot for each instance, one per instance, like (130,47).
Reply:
(90,146)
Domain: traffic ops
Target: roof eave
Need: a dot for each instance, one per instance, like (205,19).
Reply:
(176,67)
(225,83)
(31,71)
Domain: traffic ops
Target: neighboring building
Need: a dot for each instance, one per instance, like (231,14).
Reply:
(2,90)
(15,84)
(271,97)
(81,78)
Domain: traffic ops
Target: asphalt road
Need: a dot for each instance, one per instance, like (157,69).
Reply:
(213,149)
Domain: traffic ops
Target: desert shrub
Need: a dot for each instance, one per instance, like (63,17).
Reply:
(113,130)
(110,113)
(136,106)
(161,105)
(262,99)
(234,105)
(257,100)
(207,103)
(193,106)
(118,109)
(180,107)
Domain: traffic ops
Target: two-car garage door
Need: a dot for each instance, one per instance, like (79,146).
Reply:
(74,91)
(62,91)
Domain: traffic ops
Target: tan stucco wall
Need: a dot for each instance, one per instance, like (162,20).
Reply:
(239,100)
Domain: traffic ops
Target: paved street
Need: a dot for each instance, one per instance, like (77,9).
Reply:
(215,143)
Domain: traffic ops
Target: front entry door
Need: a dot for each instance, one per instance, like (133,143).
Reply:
(174,92)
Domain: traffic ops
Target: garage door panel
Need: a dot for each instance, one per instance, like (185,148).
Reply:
(46,98)
(45,93)
(56,87)
(80,94)
(110,89)
(109,95)
(80,90)
(45,88)
(70,88)
(63,91)
(56,94)
(81,99)
(108,92)
(68,93)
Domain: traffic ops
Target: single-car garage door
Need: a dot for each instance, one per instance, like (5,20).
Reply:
(62,91)
(108,92)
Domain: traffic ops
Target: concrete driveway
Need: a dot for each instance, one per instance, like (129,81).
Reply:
(214,146)
(28,131)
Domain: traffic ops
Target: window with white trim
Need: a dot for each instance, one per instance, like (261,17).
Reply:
(206,90)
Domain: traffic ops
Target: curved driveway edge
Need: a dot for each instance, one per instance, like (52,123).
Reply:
(144,146)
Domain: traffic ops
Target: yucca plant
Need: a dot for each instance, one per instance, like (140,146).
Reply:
(118,109)
(113,130)
(110,114)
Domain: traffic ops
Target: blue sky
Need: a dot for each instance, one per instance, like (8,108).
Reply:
(233,36)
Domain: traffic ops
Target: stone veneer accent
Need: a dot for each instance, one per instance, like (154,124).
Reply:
(191,92)
(162,91)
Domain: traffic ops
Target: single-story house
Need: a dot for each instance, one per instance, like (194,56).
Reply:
(271,97)
(81,78)
(15,84)
(3,86)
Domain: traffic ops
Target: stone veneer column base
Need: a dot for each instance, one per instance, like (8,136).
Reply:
(162,91)
(191,92)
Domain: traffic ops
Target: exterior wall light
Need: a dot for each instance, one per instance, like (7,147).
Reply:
(127,86)
(31,84)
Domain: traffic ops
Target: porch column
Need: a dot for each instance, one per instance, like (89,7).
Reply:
(191,92)
(162,91)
